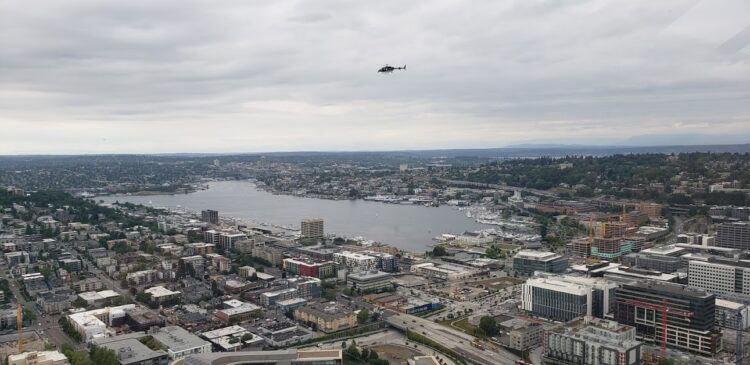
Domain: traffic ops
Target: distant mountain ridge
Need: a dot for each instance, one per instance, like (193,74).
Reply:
(514,151)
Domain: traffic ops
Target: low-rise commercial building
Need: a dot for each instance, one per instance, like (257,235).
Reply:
(179,342)
(38,358)
(238,314)
(161,294)
(130,351)
(95,323)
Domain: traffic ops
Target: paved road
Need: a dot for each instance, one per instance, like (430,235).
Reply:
(387,337)
(499,186)
(453,339)
(45,326)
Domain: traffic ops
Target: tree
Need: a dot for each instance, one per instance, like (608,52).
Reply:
(439,251)
(488,325)
(80,303)
(103,356)
(363,316)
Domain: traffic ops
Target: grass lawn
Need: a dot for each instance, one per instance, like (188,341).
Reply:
(464,326)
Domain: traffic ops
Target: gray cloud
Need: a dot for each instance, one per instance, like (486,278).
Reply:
(172,76)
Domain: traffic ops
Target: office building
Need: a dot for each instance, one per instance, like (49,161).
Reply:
(720,275)
(312,228)
(728,213)
(38,358)
(210,216)
(368,281)
(326,317)
(562,298)
(733,235)
(665,264)
(690,317)
(526,262)
(276,357)
(592,342)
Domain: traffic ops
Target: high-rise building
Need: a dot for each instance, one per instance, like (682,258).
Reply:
(690,315)
(526,262)
(312,228)
(733,235)
(720,275)
(592,342)
(565,297)
(210,216)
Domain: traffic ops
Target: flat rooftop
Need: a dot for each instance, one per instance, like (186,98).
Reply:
(178,339)
(536,255)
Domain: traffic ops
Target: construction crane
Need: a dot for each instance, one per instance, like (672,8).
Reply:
(664,309)
(738,355)
(19,324)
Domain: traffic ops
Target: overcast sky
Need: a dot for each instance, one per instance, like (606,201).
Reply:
(92,76)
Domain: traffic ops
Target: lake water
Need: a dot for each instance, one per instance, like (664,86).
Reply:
(408,227)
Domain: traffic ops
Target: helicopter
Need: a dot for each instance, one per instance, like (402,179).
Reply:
(388,68)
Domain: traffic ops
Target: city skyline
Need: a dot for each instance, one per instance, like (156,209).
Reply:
(169,77)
